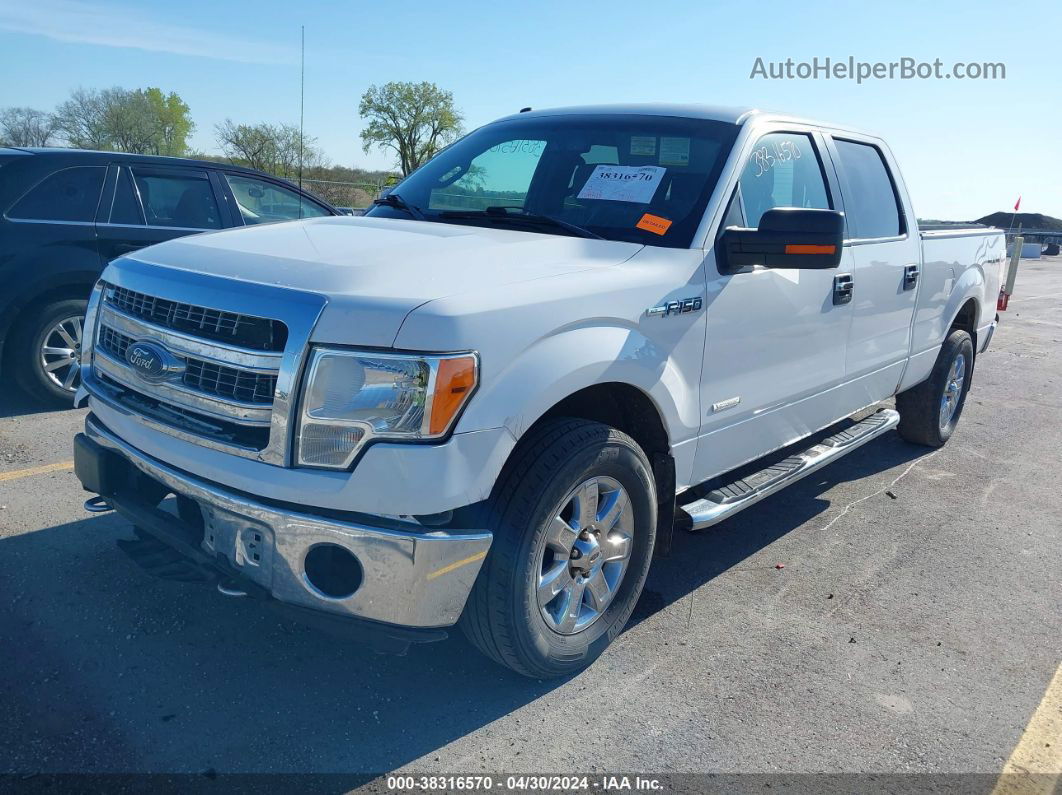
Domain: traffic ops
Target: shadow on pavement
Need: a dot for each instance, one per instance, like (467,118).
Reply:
(15,403)
(107,669)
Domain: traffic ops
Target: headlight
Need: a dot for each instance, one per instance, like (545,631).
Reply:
(352,397)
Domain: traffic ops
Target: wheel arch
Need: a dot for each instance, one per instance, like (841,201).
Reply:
(633,411)
(967,317)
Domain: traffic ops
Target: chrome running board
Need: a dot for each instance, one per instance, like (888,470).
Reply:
(725,501)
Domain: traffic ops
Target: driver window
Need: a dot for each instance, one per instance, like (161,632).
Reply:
(498,177)
(783,170)
(262,202)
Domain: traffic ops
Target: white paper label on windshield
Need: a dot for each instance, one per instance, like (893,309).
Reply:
(675,151)
(643,145)
(623,183)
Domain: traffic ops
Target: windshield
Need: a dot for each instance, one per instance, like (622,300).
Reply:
(642,179)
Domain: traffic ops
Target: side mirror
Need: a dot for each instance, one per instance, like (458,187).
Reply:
(788,237)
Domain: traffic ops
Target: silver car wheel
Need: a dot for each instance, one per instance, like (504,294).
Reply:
(949,402)
(584,555)
(60,354)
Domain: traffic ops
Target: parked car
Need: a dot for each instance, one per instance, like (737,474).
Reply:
(484,402)
(64,213)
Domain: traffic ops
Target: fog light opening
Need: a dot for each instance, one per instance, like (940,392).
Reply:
(333,571)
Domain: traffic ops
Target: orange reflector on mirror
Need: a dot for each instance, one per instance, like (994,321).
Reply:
(798,248)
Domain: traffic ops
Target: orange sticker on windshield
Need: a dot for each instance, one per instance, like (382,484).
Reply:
(654,224)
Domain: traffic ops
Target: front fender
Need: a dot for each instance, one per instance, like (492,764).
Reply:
(572,359)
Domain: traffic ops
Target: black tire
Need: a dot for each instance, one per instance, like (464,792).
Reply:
(503,617)
(27,345)
(920,407)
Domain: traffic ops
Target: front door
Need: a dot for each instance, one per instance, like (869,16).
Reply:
(775,348)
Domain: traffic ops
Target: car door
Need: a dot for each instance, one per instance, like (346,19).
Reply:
(147,204)
(886,259)
(775,338)
(261,201)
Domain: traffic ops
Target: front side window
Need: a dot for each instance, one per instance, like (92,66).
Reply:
(67,195)
(262,202)
(175,199)
(783,170)
(870,197)
(642,179)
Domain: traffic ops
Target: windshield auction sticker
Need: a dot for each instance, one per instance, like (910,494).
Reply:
(623,183)
(674,151)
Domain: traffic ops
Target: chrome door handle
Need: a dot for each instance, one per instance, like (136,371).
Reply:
(910,276)
(843,287)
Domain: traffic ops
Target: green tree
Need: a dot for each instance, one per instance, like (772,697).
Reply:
(142,121)
(173,122)
(415,120)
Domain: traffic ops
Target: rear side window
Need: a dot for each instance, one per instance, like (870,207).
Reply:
(783,170)
(68,195)
(870,198)
(182,200)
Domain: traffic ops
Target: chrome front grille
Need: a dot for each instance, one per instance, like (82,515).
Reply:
(204,376)
(242,385)
(208,388)
(231,353)
(246,331)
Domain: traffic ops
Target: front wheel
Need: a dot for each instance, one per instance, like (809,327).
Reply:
(930,411)
(574,520)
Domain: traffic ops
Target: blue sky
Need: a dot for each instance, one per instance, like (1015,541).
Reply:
(966,147)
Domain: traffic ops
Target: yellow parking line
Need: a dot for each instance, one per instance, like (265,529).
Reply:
(1035,767)
(25,473)
(456,565)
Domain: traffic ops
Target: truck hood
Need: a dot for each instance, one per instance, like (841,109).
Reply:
(375,271)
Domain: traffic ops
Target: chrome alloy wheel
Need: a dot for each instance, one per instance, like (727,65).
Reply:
(60,354)
(952,391)
(584,555)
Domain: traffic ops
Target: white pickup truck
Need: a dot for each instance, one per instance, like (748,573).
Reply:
(487,401)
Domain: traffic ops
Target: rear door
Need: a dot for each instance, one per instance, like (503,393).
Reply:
(885,259)
(151,204)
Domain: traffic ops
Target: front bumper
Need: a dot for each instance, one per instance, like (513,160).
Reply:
(407,577)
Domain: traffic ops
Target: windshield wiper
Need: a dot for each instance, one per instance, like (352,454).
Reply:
(502,214)
(396,201)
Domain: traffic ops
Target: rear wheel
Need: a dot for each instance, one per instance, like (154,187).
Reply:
(574,520)
(47,348)
(930,411)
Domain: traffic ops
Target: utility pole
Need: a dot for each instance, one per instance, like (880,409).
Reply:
(302,101)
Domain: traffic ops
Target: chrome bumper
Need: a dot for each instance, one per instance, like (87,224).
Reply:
(412,579)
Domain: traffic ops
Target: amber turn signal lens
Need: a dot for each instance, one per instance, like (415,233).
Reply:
(454,382)
(797,248)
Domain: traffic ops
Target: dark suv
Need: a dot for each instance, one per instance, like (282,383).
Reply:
(64,213)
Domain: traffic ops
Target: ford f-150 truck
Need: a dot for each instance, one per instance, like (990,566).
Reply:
(487,402)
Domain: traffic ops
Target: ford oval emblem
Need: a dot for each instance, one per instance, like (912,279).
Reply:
(152,362)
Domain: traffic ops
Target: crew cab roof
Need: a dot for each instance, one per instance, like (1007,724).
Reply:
(731,115)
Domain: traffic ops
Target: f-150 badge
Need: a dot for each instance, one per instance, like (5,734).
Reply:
(679,307)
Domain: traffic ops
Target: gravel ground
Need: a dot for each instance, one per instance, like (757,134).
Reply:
(914,626)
